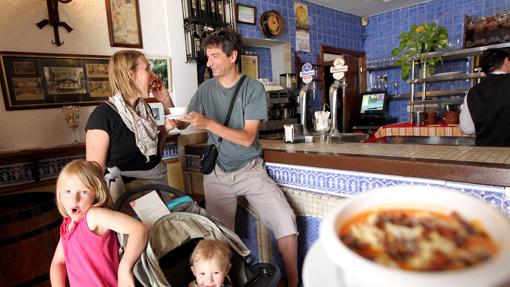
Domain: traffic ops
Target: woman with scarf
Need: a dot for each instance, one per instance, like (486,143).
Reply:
(122,134)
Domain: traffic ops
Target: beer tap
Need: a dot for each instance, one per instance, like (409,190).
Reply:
(307,74)
(302,106)
(338,70)
(334,102)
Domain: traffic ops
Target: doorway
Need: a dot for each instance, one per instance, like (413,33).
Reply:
(354,79)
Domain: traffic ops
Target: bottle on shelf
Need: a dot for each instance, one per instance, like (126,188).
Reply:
(213,11)
(204,15)
(193,9)
(221,12)
(197,42)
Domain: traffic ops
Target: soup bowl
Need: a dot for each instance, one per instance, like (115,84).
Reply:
(361,272)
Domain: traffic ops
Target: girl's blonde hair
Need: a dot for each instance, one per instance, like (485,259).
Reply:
(119,66)
(90,174)
(211,249)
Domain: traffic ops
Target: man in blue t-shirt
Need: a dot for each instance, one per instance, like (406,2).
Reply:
(240,170)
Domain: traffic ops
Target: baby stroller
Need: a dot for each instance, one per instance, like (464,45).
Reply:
(172,238)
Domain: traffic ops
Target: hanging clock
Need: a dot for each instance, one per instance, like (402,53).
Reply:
(271,23)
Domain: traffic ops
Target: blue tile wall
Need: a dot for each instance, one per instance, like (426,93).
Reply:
(339,29)
(383,30)
(327,27)
(246,228)
(264,55)
(308,228)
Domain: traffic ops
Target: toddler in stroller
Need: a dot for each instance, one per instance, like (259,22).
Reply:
(172,238)
(210,263)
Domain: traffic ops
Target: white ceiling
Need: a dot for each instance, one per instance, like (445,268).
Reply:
(366,7)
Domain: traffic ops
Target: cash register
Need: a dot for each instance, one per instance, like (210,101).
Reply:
(373,111)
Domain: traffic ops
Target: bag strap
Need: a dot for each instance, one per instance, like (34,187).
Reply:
(232,102)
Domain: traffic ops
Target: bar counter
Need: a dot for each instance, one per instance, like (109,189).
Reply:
(467,164)
(316,177)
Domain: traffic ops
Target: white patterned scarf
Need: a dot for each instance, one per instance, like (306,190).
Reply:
(141,122)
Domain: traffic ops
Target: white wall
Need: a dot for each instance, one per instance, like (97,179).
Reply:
(162,32)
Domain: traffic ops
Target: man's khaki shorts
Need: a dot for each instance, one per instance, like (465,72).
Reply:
(221,190)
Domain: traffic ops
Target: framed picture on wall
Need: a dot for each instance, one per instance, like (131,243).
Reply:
(250,65)
(162,67)
(246,14)
(124,23)
(33,80)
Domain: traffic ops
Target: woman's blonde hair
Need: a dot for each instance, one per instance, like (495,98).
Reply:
(119,66)
(211,249)
(90,174)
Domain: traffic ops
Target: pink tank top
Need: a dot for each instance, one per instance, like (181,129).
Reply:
(91,260)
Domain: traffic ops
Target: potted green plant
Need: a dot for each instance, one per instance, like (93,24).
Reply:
(420,39)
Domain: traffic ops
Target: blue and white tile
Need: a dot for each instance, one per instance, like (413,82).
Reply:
(15,174)
(495,195)
(170,151)
(50,168)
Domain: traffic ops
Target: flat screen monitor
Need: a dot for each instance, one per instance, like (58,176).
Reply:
(373,103)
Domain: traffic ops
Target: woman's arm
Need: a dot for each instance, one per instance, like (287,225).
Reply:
(100,220)
(58,267)
(96,146)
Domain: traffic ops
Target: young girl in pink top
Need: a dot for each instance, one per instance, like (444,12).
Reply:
(87,252)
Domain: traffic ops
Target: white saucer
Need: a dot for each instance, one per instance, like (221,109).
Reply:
(174,117)
(319,270)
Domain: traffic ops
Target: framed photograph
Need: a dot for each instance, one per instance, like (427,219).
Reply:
(24,68)
(33,80)
(246,14)
(124,23)
(99,89)
(250,65)
(162,67)
(97,70)
(158,112)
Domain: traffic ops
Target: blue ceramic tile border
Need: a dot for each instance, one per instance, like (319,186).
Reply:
(170,151)
(50,168)
(16,174)
(27,172)
(349,183)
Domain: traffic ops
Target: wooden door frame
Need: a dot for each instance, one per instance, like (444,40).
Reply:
(334,50)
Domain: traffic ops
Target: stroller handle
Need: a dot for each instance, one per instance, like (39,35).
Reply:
(142,188)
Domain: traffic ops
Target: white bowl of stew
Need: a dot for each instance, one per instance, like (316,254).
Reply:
(418,236)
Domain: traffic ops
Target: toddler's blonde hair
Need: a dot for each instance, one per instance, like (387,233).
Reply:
(211,249)
(90,174)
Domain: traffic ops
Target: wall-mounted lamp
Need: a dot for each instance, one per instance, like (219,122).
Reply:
(54,20)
